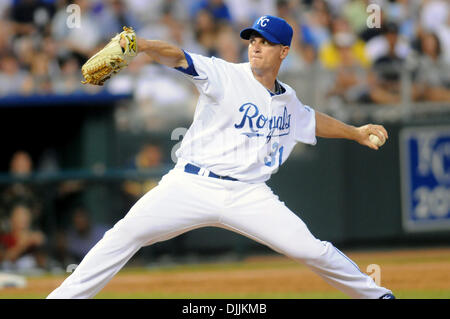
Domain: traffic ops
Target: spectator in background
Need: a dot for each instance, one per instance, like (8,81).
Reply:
(128,80)
(13,80)
(149,156)
(170,28)
(205,30)
(68,80)
(24,50)
(227,46)
(217,8)
(145,11)
(113,15)
(154,109)
(404,13)
(6,36)
(179,10)
(178,33)
(343,41)
(354,11)
(69,194)
(302,55)
(432,71)
(286,10)
(48,161)
(21,247)
(303,60)
(81,236)
(39,57)
(50,48)
(350,76)
(40,71)
(316,25)
(380,45)
(385,76)
(21,165)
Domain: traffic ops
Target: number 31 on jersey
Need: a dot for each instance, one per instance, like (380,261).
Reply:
(276,151)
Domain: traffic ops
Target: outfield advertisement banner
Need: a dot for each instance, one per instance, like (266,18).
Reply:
(425,178)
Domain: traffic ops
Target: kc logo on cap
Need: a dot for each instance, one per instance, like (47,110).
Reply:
(273,29)
(263,21)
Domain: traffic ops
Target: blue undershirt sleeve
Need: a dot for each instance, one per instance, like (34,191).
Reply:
(190,69)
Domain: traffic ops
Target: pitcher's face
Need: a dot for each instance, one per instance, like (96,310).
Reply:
(263,54)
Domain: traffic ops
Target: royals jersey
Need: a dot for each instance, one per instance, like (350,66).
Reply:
(240,129)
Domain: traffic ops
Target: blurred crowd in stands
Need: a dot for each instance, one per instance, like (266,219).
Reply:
(48,226)
(43,228)
(42,50)
(21,240)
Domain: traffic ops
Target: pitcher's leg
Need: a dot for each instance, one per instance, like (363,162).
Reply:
(165,212)
(101,263)
(268,221)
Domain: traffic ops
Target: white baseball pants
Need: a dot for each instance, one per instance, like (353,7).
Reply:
(182,202)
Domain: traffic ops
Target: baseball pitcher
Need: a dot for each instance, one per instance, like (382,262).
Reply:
(245,126)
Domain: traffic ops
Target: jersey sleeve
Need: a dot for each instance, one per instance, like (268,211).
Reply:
(208,74)
(305,125)
(190,70)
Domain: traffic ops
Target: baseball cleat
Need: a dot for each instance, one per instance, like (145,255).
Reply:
(387,296)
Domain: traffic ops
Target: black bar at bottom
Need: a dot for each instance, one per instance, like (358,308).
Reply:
(229,308)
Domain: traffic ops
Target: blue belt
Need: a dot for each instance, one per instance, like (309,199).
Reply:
(192,169)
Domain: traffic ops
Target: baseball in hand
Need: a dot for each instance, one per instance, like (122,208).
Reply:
(376,140)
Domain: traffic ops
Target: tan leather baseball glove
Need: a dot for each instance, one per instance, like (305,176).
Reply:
(111,59)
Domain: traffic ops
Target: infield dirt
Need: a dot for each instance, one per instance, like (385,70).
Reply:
(277,276)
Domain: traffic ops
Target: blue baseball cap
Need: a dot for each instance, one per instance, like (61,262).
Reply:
(273,29)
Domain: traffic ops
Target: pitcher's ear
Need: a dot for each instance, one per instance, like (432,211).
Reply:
(284,52)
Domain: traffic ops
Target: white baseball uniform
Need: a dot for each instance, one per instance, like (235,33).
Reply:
(240,135)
